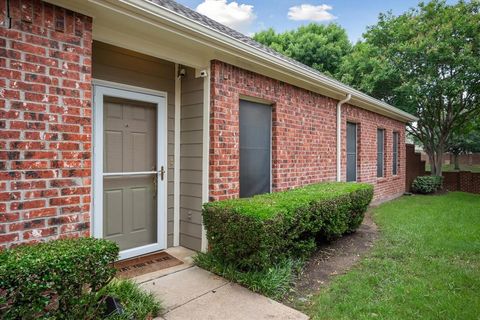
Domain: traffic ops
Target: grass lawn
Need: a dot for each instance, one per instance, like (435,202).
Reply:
(451,168)
(426,264)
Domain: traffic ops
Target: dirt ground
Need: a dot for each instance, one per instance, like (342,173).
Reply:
(332,259)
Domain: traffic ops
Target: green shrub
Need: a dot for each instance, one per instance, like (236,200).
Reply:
(273,282)
(55,280)
(259,232)
(136,303)
(427,184)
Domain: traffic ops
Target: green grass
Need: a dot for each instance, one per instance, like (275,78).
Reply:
(426,264)
(137,303)
(268,205)
(273,282)
(450,168)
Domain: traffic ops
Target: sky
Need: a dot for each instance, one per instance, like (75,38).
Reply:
(250,16)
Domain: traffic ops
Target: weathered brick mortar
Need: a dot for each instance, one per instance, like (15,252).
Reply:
(45,122)
(303,135)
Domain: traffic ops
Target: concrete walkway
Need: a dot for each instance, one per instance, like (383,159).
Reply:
(189,292)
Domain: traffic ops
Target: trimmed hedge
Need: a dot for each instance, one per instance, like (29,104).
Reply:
(427,184)
(258,232)
(57,279)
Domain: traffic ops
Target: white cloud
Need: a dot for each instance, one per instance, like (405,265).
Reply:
(311,12)
(237,16)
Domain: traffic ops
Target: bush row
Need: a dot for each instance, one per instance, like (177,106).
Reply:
(55,280)
(257,233)
(427,184)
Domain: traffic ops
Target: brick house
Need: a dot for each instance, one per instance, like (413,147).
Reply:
(120,118)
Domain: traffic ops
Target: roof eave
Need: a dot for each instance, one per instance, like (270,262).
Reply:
(234,46)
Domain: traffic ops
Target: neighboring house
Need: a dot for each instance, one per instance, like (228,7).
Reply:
(120,118)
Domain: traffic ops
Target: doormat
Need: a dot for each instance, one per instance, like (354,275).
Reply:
(144,264)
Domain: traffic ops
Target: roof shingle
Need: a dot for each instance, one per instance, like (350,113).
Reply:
(206,21)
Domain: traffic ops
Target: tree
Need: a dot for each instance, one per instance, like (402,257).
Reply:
(426,62)
(321,47)
(466,140)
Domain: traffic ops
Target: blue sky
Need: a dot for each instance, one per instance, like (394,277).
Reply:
(249,16)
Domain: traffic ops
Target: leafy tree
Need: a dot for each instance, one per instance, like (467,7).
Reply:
(466,140)
(426,62)
(321,47)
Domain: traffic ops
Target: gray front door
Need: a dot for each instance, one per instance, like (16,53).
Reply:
(129,182)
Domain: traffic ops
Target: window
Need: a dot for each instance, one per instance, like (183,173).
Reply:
(395,153)
(351,151)
(380,151)
(255,148)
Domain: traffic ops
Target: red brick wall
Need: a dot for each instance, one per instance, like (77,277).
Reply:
(303,134)
(464,181)
(389,186)
(414,164)
(45,123)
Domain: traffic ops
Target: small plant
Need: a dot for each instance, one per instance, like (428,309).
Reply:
(56,280)
(136,303)
(273,282)
(427,184)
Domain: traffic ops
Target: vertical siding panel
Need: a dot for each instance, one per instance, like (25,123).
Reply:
(191,161)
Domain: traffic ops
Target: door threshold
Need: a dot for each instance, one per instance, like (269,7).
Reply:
(147,263)
(181,253)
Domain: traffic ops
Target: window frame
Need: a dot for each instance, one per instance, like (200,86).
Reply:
(347,153)
(381,155)
(271,105)
(395,152)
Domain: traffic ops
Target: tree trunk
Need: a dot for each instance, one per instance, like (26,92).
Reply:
(431,159)
(438,171)
(456,162)
(436,160)
(439,160)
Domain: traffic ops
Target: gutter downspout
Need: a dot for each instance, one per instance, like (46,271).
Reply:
(339,136)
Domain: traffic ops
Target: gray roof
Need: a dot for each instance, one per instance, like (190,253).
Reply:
(212,24)
(206,21)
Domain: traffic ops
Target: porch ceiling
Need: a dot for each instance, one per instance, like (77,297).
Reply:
(126,29)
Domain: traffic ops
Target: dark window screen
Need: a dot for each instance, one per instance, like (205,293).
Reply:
(255,142)
(351,151)
(395,153)
(380,151)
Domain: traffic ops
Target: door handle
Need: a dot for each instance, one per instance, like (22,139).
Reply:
(155,186)
(162,173)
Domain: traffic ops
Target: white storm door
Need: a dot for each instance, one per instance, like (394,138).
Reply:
(130,150)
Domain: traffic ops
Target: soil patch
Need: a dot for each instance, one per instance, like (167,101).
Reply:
(331,259)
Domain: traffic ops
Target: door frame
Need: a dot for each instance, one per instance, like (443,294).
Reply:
(103,88)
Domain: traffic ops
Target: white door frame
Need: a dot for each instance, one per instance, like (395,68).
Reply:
(106,88)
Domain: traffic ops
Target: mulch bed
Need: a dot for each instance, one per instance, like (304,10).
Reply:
(332,259)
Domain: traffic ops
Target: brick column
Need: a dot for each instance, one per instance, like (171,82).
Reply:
(45,123)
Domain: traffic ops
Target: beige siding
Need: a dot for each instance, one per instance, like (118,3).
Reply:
(191,161)
(128,67)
